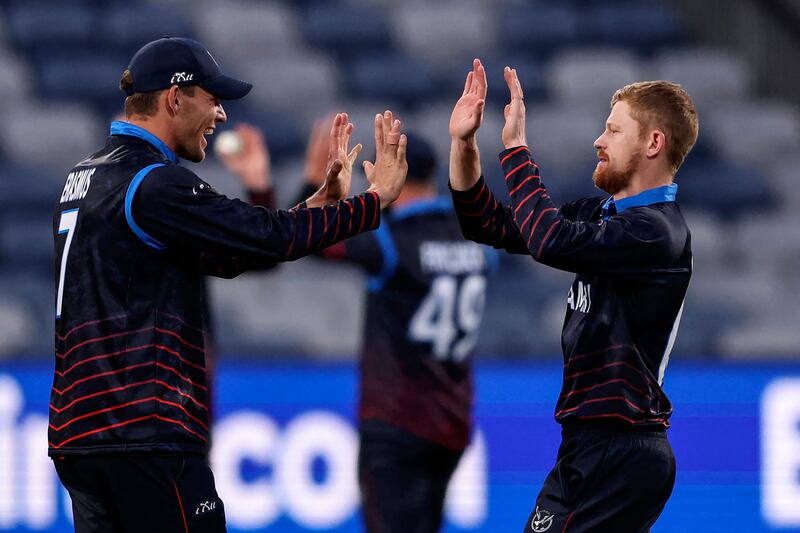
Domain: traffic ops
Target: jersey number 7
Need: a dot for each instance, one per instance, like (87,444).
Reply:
(67,224)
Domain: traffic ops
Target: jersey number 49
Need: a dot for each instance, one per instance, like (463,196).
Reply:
(449,316)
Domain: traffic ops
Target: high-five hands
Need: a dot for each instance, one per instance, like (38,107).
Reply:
(468,112)
(388,174)
(339,171)
(465,161)
(514,112)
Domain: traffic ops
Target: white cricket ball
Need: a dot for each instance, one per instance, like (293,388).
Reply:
(228,143)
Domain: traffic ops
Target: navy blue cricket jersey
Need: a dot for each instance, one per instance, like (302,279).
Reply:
(135,234)
(425,300)
(632,260)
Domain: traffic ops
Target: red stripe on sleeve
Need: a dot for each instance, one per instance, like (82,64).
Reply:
(310,226)
(523,182)
(516,151)
(527,219)
(515,169)
(363,213)
(477,196)
(546,236)
(338,220)
(533,229)
(524,200)
(377,208)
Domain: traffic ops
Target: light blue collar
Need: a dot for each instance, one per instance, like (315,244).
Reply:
(119,127)
(438,204)
(665,193)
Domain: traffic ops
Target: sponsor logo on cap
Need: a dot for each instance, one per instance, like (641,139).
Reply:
(181,76)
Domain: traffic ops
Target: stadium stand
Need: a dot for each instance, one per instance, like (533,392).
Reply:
(61,63)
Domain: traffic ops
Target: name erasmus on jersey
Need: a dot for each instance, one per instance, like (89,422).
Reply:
(77,185)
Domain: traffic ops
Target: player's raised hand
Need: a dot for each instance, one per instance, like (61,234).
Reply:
(317,149)
(339,170)
(468,111)
(388,174)
(514,112)
(249,159)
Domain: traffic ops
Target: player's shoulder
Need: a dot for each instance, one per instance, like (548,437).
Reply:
(171,180)
(663,215)
(661,224)
(582,208)
(172,173)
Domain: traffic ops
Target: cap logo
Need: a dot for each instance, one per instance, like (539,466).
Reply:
(181,76)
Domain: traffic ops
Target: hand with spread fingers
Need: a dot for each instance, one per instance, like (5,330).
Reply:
(514,112)
(468,112)
(339,171)
(465,160)
(388,174)
(251,162)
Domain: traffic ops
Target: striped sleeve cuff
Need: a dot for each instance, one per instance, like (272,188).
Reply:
(319,227)
(475,201)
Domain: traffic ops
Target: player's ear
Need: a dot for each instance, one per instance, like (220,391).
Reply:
(173,100)
(656,143)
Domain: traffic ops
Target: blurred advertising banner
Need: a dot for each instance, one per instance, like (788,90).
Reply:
(285,447)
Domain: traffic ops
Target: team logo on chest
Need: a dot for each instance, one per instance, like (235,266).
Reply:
(542,520)
(580,299)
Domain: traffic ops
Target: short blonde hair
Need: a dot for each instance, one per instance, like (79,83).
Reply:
(665,106)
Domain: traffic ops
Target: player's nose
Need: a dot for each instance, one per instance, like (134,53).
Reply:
(598,143)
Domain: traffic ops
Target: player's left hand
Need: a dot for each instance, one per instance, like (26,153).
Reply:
(514,112)
(339,171)
(467,114)
(252,162)
(340,162)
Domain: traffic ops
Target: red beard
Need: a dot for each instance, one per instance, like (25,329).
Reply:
(613,181)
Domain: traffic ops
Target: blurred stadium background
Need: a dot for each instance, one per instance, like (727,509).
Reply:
(60,63)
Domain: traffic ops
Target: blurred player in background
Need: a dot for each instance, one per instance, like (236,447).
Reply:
(425,299)
(632,255)
(135,234)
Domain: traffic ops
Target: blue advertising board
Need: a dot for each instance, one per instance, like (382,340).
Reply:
(285,448)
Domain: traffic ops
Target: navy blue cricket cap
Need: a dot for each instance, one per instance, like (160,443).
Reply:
(180,61)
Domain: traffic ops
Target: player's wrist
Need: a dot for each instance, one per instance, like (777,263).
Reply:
(515,143)
(385,196)
(321,198)
(468,144)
